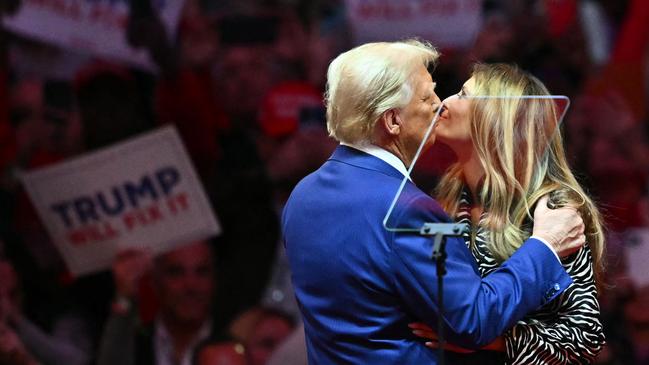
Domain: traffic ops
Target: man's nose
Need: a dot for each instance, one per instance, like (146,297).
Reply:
(436,99)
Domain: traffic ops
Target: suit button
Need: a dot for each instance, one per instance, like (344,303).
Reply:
(552,291)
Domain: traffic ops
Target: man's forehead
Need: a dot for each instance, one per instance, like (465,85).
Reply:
(427,85)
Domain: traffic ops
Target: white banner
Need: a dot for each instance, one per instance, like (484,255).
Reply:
(444,23)
(94,26)
(141,193)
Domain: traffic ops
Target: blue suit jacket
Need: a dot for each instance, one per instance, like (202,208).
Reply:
(359,285)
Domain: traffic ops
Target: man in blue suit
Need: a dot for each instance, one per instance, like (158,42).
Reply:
(359,285)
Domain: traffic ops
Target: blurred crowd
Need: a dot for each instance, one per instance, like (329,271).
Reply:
(242,82)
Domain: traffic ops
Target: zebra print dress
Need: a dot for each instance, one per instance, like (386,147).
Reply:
(565,331)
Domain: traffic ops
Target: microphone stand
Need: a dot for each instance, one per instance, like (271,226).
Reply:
(440,231)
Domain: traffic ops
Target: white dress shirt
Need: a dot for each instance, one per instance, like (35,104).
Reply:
(163,345)
(380,153)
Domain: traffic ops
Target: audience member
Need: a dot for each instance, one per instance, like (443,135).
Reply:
(270,330)
(184,282)
(216,352)
(22,342)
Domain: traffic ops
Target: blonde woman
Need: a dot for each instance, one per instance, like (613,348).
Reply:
(510,153)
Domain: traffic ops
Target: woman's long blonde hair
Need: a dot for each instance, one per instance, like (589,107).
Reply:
(519,145)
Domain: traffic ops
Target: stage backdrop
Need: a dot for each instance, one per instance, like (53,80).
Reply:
(445,23)
(94,26)
(141,193)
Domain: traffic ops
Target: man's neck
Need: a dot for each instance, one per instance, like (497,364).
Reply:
(382,154)
(395,149)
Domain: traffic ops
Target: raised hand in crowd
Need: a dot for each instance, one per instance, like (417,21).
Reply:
(146,30)
(128,268)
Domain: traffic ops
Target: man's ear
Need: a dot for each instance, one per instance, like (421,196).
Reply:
(391,122)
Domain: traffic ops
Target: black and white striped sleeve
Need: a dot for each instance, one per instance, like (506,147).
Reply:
(567,330)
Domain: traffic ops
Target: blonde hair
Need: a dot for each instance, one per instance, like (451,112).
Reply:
(366,81)
(520,147)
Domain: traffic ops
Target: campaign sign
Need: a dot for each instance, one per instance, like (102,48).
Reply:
(94,26)
(444,23)
(141,193)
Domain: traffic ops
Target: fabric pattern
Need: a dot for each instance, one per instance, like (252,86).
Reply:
(566,330)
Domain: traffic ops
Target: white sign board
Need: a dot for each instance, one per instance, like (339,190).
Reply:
(444,23)
(636,252)
(141,193)
(94,26)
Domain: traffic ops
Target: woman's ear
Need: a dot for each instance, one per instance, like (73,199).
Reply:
(391,122)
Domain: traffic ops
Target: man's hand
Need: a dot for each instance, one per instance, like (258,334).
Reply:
(129,266)
(423,331)
(562,228)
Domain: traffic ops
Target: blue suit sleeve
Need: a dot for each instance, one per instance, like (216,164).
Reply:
(476,310)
